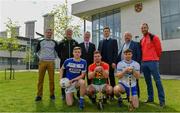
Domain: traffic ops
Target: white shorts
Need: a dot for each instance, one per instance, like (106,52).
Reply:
(99,87)
(72,88)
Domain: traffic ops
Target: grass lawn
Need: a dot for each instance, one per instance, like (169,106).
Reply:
(18,96)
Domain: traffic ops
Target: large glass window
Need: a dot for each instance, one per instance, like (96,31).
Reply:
(109,18)
(170,19)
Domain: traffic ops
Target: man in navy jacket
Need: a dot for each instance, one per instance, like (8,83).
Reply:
(109,50)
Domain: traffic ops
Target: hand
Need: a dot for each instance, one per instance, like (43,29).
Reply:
(130,69)
(98,69)
(113,65)
(71,81)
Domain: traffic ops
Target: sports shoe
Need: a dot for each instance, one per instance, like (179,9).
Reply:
(149,101)
(52,97)
(104,100)
(81,103)
(120,101)
(162,104)
(38,98)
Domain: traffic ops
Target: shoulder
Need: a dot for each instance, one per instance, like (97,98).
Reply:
(91,44)
(74,41)
(62,41)
(92,65)
(121,63)
(41,40)
(82,43)
(105,64)
(114,40)
(135,63)
(54,41)
(83,60)
(69,60)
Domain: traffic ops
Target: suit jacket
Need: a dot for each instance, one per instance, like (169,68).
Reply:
(112,50)
(136,51)
(88,56)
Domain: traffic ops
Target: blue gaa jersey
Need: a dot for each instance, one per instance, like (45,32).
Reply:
(125,79)
(74,68)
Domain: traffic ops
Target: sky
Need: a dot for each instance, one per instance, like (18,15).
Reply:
(28,10)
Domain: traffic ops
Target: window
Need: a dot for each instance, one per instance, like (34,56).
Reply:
(109,18)
(170,19)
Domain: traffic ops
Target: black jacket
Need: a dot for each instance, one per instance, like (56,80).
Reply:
(112,50)
(65,49)
(88,56)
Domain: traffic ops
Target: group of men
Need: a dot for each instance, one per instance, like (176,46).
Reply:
(80,61)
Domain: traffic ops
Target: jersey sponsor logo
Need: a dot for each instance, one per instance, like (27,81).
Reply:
(74,70)
(74,65)
(80,65)
(71,65)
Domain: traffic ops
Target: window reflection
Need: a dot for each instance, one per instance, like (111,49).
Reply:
(170,16)
(109,18)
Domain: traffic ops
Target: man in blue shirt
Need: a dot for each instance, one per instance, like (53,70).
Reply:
(75,71)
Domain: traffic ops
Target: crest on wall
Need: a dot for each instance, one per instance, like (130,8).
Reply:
(138,7)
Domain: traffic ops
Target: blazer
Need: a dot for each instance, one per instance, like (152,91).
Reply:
(112,50)
(136,51)
(88,56)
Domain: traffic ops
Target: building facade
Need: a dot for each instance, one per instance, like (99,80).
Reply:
(127,15)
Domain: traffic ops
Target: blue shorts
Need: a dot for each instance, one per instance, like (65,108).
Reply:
(133,89)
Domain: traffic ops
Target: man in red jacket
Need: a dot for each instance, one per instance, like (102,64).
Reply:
(151,52)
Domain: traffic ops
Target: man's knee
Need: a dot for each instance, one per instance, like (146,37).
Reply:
(81,82)
(90,90)
(116,89)
(109,90)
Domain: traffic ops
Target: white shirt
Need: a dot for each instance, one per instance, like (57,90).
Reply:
(125,79)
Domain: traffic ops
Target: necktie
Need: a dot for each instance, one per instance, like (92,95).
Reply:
(87,47)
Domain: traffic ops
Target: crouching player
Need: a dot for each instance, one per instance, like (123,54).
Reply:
(98,72)
(125,69)
(75,71)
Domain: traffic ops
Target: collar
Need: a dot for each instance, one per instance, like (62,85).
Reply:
(128,62)
(86,42)
(77,60)
(107,38)
(128,42)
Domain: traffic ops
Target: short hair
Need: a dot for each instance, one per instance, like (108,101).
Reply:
(49,30)
(77,48)
(69,29)
(87,32)
(97,52)
(128,51)
(106,27)
(145,24)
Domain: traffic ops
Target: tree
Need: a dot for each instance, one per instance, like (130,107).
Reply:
(63,21)
(10,43)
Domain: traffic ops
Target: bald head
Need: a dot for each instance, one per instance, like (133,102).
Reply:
(127,37)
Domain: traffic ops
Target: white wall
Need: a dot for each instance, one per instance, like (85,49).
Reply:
(131,20)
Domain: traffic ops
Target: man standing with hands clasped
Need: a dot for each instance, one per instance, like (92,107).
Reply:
(151,52)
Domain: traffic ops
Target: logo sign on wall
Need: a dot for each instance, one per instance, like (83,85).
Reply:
(138,7)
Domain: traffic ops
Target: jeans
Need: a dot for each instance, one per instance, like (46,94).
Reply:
(148,68)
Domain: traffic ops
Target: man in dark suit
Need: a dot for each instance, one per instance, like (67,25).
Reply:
(108,48)
(136,51)
(87,49)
